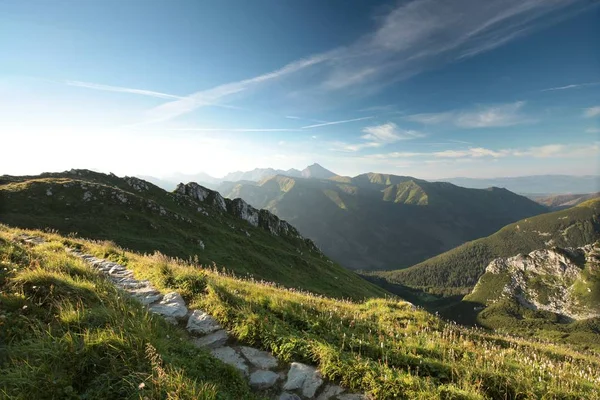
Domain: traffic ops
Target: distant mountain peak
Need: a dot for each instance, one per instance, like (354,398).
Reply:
(317,171)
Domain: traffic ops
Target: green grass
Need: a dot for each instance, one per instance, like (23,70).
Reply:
(463,266)
(153,219)
(66,333)
(383,346)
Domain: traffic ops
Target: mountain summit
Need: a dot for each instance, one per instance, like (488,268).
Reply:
(316,171)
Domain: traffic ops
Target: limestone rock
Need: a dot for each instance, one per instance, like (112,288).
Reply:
(171,306)
(305,377)
(202,323)
(330,391)
(262,380)
(258,358)
(229,356)
(212,340)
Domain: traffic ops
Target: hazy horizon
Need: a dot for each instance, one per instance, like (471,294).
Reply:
(423,88)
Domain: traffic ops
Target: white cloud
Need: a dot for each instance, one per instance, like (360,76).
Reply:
(389,133)
(378,136)
(591,112)
(481,117)
(592,130)
(545,151)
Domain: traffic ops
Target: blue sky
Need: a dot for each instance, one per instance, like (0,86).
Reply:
(427,88)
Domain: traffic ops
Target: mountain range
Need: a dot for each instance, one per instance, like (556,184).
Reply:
(379,221)
(169,182)
(535,184)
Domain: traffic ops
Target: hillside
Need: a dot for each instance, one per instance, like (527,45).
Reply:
(90,341)
(462,267)
(377,221)
(192,222)
(562,201)
(552,293)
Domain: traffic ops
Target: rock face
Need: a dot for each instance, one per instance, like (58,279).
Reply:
(562,281)
(240,209)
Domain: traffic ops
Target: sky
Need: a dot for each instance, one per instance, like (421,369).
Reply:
(427,88)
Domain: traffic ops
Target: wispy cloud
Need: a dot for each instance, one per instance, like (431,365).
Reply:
(233,129)
(192,102)
(480,117)
(336,122)
(378,136)
(572,86)
(412,37)
(545,151)
(592,130)
(118,89)
(591,112)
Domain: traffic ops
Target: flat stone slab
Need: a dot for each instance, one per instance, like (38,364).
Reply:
(212,340)
(288,396)
(305,377)
(330,392)
(258,358)
(229,356)
(262,380)
(171,306)
(202,323)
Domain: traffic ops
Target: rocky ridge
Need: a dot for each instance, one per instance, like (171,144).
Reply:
(264,372)
(556,280)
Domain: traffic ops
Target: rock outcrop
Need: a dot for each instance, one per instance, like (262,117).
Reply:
(240,209)
(561,281)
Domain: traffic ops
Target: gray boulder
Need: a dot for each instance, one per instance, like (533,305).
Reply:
(229,356)
(171,306)
(212,340)
(262,380)
(202,323)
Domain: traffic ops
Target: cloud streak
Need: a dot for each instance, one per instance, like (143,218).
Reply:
(336,122)
(481,117)
(107,88)
(412,37)
(573,86)
(378,136)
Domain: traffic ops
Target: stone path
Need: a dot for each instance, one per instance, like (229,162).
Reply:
(264,372)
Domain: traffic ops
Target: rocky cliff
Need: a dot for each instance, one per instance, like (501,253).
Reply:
(564,281)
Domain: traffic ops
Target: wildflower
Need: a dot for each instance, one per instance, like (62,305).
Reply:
(141,385)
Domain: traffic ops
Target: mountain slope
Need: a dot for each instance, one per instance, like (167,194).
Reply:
(377,221)
(316,171)
(561,201)
(88,341)
(461,267)
(191,222)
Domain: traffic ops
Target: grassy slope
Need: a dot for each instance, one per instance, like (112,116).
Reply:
(383,347)
(140,224)
(66,333)
(377,221)
(461,267)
